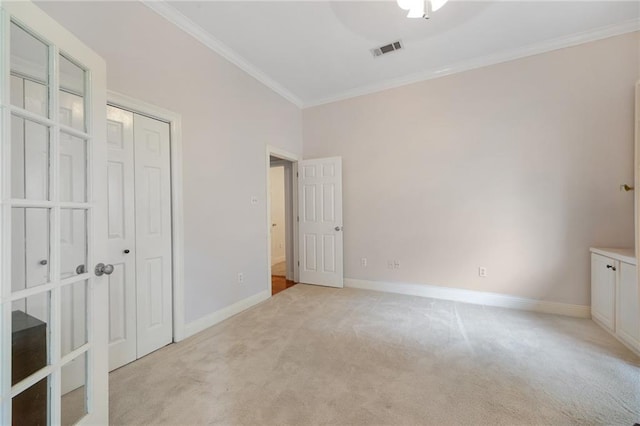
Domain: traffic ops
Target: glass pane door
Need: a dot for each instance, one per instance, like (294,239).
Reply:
(52,363)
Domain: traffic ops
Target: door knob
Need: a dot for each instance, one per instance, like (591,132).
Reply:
(126,251)
(101,268)
(43,262)
(80,270)
(338,228)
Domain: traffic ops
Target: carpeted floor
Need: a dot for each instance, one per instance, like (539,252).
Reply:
(313,355)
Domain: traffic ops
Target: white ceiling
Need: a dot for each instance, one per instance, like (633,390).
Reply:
(314,52)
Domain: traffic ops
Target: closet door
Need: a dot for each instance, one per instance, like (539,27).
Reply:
(140,287)
(153,233)
(122,236)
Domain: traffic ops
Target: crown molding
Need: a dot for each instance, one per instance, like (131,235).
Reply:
(505,56)
(162,8)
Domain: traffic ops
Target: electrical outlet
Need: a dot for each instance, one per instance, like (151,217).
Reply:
(482,272)
(254,200)
(240,277)
(390,264)
(396,264)
(363,261)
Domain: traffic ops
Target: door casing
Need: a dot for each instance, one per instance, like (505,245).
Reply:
(174,119)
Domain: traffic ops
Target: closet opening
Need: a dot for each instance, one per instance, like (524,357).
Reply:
(144,229)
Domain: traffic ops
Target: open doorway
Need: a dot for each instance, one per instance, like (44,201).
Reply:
(282,247)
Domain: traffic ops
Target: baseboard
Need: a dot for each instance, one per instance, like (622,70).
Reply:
(474,297)
(214,318)
(632,344)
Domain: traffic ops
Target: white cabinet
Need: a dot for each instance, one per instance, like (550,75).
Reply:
(628,310)
(603,290)
(615,299)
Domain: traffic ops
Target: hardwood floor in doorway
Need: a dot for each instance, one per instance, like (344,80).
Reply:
(279,282)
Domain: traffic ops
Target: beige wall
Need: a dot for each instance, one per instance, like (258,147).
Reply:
(514,167)
(227,119)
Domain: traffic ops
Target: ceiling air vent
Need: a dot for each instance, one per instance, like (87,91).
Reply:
(387,48)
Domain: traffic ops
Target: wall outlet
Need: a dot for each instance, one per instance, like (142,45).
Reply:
(254,200)
(363,261)
(390,264)
(482,272)
(240,277)
(396,264)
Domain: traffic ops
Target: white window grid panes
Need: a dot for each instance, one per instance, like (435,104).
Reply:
(55,284)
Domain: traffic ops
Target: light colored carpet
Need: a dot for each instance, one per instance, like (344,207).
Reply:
(313,355)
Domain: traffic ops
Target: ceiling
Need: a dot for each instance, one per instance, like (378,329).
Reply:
(313,52)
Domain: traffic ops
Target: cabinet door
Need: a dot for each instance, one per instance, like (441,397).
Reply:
(628,309)
(603,290)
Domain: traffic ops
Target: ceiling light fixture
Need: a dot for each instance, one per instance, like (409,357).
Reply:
(420,8)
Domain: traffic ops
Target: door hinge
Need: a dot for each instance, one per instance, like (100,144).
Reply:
(298,263)
(298,218)
(297,174)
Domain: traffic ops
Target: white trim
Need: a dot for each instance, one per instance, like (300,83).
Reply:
(177,215)
(636,192)
(483,61)
(626,255)
(214,318)
(474,297)
(5,225)
(630,343)
(172,15)
(293,158)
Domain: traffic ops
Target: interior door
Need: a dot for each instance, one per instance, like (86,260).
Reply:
(320,221)
(121,238)
(52,149)
(153,233)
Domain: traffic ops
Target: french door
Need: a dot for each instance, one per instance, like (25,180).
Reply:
(53,313)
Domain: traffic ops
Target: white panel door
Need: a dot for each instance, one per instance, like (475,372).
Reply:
(320,221)
(121,236)
(153,233)
(627,306)
(52,197)
(603,289)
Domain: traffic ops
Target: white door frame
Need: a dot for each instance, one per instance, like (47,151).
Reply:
(174,119)
(272,151)
(636,185)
